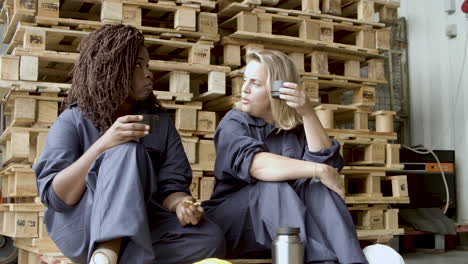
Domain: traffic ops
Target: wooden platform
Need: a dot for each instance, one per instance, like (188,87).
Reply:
(373,187)
(30,109)
(20,220)
(162,17)
(183,80)
(351,11)
(334,70)
(374,217)
(64,39)
(18,180)
(22,144)
(300,31)
(369,153)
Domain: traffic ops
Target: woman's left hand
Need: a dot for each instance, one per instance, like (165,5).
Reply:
(189,213)
(295,96)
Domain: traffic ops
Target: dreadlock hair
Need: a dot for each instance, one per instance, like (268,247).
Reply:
(102,76)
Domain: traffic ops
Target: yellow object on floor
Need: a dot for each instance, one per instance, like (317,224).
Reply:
(212,261)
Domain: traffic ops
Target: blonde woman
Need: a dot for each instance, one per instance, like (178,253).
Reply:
(277,167)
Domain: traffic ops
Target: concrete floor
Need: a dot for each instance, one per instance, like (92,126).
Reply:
(450,257)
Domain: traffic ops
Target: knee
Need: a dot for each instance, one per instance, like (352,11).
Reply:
(123,161)
(216,245)
(271,187)
(271,192)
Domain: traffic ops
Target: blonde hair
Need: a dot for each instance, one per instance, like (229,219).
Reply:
(278,66)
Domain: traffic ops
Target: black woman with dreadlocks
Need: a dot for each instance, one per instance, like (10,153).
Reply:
(114,191)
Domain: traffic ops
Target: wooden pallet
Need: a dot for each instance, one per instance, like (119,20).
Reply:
(20,220)
(318,90)
(30,109)
(202,185)
(333,69)
(205,5)
(331,114)
(64,39)
(24,69)
(18,180)
(374,217)
(14,11)
(356,134)
(202,86)
(224,103)
(163,17)
(189,120)
(22,144)
(155,18)
(234,89)
(300,29)
(27,257)
(373,187)
(351,11)
(304,32)
(201,153)
(183,79)
(364,152)
(378,236)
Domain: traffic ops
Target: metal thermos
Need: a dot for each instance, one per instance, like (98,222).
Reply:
(287,247)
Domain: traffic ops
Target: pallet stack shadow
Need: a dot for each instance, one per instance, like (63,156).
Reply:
(42,38)
(338,47)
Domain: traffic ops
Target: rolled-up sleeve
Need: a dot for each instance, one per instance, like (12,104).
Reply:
(61,149)
(330,156)
(235,149)
(175,174)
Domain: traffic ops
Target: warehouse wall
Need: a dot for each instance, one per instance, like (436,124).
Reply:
(439,84)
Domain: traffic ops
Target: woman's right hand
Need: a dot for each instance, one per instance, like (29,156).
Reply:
(122,131)
(331,178)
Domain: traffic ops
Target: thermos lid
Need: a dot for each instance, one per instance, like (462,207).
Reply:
(289,231)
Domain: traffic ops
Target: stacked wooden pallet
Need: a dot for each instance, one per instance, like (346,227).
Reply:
(197,50)
(26,117)
(337,46)
(43,37)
